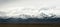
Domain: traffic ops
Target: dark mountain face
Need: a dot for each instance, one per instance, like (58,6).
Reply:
(30,20)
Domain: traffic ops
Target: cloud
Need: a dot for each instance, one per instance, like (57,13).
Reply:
(29,8)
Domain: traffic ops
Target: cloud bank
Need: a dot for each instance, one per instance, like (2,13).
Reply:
(29,8)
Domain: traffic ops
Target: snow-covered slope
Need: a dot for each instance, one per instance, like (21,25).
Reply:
(29,13)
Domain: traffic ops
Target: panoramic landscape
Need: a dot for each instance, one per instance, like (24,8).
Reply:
(29,11)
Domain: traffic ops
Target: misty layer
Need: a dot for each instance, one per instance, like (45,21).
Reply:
(29,8)
(30,13)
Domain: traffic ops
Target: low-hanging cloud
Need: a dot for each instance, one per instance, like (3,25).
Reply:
(29,8)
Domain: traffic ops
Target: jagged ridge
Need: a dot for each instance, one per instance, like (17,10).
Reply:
(30,20)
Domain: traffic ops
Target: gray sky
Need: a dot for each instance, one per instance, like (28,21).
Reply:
(29,7)
(30,3)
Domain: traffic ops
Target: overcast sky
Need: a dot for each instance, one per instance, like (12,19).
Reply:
(30,3)
(17,7)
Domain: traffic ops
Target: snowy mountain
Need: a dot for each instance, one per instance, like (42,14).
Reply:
(28,13)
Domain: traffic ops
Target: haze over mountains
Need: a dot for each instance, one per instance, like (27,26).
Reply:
(29,8)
